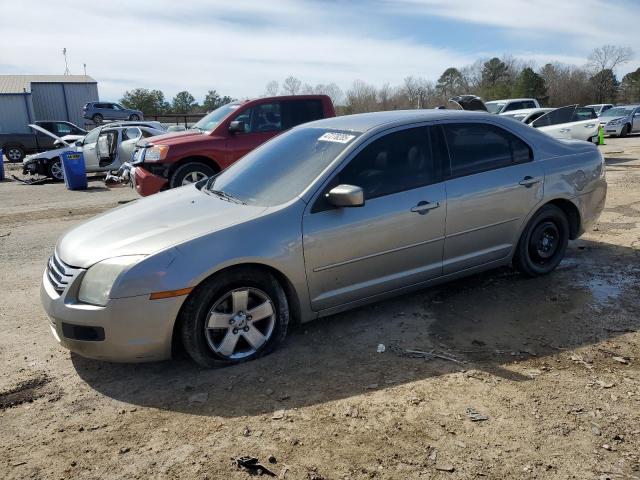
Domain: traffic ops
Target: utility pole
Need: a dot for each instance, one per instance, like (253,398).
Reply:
(85,69)
(66,65)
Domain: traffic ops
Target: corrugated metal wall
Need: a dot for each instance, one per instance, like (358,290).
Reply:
(14,117)
(62,101)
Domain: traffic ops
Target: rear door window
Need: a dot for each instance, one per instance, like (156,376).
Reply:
(584,113)
(478,147)
(556,117)
(296,112)
(528,104)
(264,118)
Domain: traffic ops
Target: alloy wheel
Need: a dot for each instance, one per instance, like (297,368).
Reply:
(193,177)
(14,154)
(56,171)
(240,323)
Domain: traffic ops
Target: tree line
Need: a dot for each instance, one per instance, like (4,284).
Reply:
(152,102)
(554,84)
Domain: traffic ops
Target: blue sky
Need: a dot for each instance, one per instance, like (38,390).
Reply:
(238,46)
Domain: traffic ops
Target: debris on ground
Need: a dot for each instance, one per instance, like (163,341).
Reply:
(475,416)
(381,348)
(253,466)
(430,355)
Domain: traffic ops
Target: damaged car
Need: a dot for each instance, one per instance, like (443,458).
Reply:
(104,148)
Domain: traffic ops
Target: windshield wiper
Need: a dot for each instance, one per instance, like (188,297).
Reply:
(226,196)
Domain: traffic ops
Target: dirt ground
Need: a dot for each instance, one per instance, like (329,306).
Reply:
(541,378)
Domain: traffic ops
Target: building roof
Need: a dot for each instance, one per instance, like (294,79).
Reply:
(22,83)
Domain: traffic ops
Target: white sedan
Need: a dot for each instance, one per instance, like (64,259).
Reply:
(570,122)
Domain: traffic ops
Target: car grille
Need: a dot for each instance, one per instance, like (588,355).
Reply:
(59,273)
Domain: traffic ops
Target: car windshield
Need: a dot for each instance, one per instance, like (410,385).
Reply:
(282,168)
(213,119)
(617,112)
(494,107)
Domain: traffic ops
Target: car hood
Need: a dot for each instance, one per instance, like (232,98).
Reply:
(172,138)
(38,128)
(610,119)
(150,225)
(56,152)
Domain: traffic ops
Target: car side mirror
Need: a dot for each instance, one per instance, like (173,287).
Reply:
(78,143)
(237,126)
(346,196)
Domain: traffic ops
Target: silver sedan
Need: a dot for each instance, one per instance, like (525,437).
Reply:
(326,217)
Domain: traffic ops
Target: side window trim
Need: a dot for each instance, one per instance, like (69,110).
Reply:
(315,198)
(450,175)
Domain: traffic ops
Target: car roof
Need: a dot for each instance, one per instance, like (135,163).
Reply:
(509,100)
(363,122)
(527,110)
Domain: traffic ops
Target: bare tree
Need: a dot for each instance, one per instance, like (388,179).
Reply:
(332,90)
(271,89)
(291,85)
(361,97)
(608,57)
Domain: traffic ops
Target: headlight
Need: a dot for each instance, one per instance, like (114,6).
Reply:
(99,279)
(618,121)
(156,153)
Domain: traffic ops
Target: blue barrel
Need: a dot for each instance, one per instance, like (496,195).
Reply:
(1,165)
(75,173)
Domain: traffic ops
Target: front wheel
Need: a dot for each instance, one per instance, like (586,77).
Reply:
(134,117)
(233,317)
(97,119)
(543,242)
(54,169)
(625,131)
(190,172)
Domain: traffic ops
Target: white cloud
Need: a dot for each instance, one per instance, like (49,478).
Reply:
(237,47)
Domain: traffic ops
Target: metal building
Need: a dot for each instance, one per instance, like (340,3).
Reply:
(27,98)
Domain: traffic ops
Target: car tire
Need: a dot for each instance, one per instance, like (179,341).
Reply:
(543,242)
(134,117)
(625,131)
(190,172)
(14,153)
(214,334)
(54,169)
(97,119)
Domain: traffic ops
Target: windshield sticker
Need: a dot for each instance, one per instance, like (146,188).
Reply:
(336,137)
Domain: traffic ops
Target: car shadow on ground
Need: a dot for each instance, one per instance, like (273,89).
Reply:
(487,322)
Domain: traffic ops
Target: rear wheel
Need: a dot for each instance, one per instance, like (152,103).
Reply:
(234,317)
(14,154)
(54,169)
(134,117)
(543,242)
(190,172)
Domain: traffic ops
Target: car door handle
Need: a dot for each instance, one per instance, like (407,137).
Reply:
(424,207)
(565,130)
(590,125)
(528,181)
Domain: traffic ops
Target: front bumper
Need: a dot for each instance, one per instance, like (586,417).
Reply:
(132,329)
(146,183)
(612,129)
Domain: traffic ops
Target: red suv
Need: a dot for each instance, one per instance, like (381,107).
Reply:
(219,139)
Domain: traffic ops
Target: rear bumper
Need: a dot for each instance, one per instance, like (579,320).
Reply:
(133,329)
(147,183)
(591,205)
